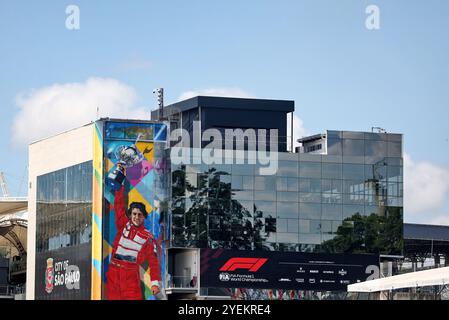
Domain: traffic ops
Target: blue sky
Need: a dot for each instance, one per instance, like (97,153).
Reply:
(318,53)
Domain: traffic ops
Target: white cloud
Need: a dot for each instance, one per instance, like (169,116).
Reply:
(298,130)
(217,92)
(49,110)
(440,220)
(426,187)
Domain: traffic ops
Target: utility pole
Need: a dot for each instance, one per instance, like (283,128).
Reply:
(3,185)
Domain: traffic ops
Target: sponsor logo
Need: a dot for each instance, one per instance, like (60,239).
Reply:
(284,280)
(312,280)
(232,277)
(300,280)
(224,277)
(342,272)
(250,264)
(60,273)
(49,276)
(327,281)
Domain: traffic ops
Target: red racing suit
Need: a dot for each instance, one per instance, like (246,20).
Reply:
(132,246)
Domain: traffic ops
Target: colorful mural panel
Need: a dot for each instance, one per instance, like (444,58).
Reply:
(133,224)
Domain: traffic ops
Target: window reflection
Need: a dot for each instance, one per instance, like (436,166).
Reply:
(303,205)
(64,208)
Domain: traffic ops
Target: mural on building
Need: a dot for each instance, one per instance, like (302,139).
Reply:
(133,221)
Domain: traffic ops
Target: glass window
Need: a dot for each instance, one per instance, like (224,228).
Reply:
(292,184)
(335,225)
(281,184)
(354,186)
(243,169)
(375,148)
(375,136)
(287,209)
(372,210)
(394,174)
(248,182)
(281,225)
(331,186)
(287,196)
(334,147)
(310,211)
(237,182)
(331,212)
(309,185)
(334,134)
(265,206)
(353,171)
(65,220)
(315,226)
(243,195)
(353,147)
(310,169)
(265,195)
(370,199)
(393,189)
(326,226)
(350,210)
(238,207)
(265,183)
(394,149)
(287,169)
(304,226)
(292,225)
(354,198)
(287,237)
(331,198)
(310,197)
(394,202)
(310,238)
(191,180)
(353,135)
(198,168)
(332,170)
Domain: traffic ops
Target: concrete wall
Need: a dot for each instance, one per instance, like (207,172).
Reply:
(45,156)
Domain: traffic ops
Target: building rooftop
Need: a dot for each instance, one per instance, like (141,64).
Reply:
(229,103)
(426,232)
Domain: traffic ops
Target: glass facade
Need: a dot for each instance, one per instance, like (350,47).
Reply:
(64,208)
(64,234)
(347,201)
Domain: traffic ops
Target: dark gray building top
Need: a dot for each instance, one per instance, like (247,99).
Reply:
(228,103)
(425,232)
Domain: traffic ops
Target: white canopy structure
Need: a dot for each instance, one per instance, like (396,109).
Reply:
(13,224)
(432,277)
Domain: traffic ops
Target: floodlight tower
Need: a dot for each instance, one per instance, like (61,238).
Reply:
(160,101)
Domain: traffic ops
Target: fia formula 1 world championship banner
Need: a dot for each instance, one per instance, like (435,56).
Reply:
(285,270)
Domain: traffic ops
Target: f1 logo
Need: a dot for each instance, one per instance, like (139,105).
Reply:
(251,264)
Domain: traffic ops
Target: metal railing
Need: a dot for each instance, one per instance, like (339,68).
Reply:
(10,290)
(18,266)
(181,282)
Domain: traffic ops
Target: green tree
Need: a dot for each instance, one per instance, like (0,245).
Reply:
(368,234)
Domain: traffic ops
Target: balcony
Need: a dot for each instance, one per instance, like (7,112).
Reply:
(10,291)
(181,284)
